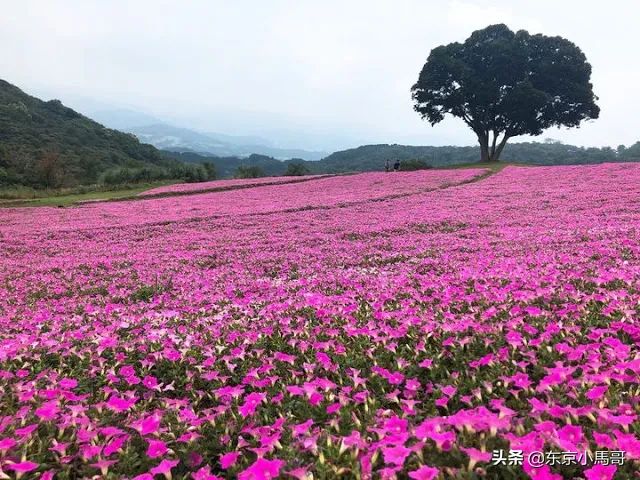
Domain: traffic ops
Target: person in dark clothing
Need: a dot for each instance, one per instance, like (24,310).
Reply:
(396,166)
(387,165)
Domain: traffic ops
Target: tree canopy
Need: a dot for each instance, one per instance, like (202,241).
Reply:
(504,84)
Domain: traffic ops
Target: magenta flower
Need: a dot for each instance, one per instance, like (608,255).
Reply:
(301,428)
(396,455)
(540,472)
(7,444)
(300,473)
(262,469)
(194,459)
(229,459)
(251,403)
(22,467)
(114,445)
(596,393)
(148,425)
(120,404)
(150,381)
(156,448)
(103,465)
(570,438)
(424,473)
(26,431)
(205,474)
(164,468)
(68,383)
(48,411)
(600,472)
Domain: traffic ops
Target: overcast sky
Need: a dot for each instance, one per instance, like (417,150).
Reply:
(314,74)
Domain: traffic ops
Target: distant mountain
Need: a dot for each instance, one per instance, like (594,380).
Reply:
(176,139)
(122,118)
(45,144)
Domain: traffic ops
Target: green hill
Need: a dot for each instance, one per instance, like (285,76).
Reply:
(372,157)
(227,167)
(45,144)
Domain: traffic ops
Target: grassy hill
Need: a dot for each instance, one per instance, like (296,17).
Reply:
(47,145)
(373,157)
(227,167)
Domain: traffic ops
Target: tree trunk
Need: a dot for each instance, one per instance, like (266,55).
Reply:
(484,147)
(496,155)
(493,145)
(491,153)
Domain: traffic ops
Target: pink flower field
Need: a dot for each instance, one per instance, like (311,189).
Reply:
(224,184)
(401,325)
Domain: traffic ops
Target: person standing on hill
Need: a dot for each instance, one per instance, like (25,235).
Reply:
(396,166)
(387,165)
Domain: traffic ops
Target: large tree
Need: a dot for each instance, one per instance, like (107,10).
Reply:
(503,84)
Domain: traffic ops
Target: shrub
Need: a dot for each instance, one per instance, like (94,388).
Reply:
(249,172)
(414,164)
(296,169)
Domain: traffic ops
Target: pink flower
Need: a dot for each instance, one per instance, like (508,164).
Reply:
(205,474)
(68,383)
(229,459)
(120,404)
(148,425)
(251,403)
(126,371)
(600,472)
(6,444)
(262,469)
(27,430)
(114,445)
(300,473)
(301,428)
(48,411)
(426,363)
(570,438)
(540,472)
(596,393)
(22,467)
(603,440)
(396,455)
(194,459)
(156,448)
(103,465)
(477,455)
(150,381)
(628,443)
(164,468)
(449,390)
(424,473)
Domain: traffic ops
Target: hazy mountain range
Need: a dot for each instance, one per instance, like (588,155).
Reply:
(167,137)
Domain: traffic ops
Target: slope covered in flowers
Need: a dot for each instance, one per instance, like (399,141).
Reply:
(319,193)
(224,184)
(375,326)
